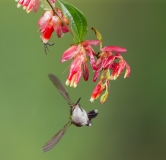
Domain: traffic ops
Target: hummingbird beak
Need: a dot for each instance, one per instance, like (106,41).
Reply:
(78,100)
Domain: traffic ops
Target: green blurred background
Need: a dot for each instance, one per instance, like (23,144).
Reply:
(131,125)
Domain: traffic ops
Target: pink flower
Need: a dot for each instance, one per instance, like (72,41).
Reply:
(28,5)
(118,68)
(106,60)
(49,23)
(79,53)
(115,49)
(109,59)
(102,86)
(97,91)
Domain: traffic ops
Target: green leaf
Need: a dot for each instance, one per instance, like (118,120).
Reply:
(78,22)
(44,4)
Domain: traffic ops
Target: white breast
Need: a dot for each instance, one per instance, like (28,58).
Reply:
(80,116)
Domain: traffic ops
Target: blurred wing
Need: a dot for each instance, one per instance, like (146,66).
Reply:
(52,143)
(58,84)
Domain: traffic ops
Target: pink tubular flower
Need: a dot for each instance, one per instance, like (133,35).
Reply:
(105,63)
(106,60)
(102,85)
(118,68)
(97,91)
(28,5)
(115,49)
(49,23)
(79,53)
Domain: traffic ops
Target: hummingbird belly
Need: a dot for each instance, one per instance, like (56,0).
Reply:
(80,117)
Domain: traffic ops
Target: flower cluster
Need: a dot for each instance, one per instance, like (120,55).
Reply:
(79,54)
(107,64)
(28,5)
(103,65)
(50,22)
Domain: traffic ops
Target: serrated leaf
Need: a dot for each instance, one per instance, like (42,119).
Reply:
(44,4)
(78,22)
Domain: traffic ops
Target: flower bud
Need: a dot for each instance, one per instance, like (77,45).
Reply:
(97,91)
(104,97)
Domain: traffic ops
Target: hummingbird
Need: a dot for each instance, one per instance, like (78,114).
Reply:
(78,116)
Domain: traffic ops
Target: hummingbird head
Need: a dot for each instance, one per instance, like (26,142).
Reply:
(72,107)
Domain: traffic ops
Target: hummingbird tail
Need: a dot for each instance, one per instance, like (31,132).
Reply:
(92,114)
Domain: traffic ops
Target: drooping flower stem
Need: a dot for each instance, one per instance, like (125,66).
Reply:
(55,12)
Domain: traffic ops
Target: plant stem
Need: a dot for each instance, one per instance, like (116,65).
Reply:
(55,12)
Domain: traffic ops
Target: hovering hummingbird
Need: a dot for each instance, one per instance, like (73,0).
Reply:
(78,116)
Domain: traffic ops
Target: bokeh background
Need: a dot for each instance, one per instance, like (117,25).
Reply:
(131,125)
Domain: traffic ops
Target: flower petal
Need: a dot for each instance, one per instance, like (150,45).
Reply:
(58,31)
(57,26)
(127,72)
(96,74)
(77,78)
(75,66)
(45,18)
(97,91)
(115,74)
(36,6)
(121,67)
(113,65)
(85,71)
(108,62)
(90,53)
(46,33)
(115,49)
(91,42)
(70,53)
(65,29)
(30,6)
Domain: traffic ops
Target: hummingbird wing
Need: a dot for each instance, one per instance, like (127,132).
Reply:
(54,140)
(58,84)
